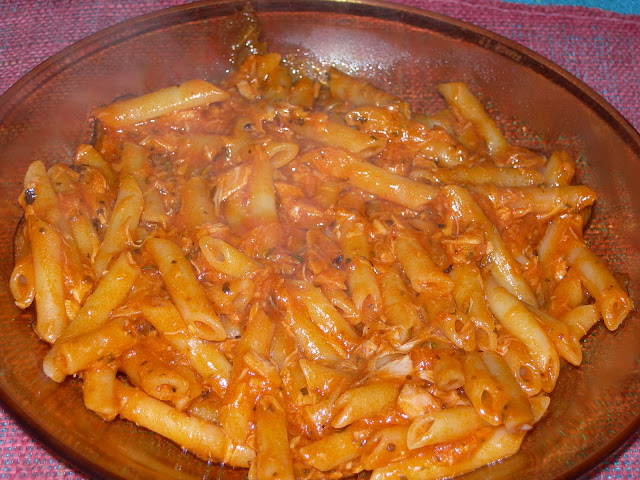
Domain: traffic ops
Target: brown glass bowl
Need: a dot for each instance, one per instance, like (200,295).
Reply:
(44,116)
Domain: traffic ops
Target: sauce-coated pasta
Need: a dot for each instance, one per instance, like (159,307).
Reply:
(305,278)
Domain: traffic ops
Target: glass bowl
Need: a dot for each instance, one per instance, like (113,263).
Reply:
(44,116)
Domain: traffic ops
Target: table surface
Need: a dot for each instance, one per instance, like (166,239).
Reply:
(596,40)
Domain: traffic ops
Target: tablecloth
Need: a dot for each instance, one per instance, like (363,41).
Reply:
(596,40)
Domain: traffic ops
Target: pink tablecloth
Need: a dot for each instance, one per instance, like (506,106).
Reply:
(598,46)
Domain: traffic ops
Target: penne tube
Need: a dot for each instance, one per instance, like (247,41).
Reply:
(371,178)
(295,383)
(281,153)
(360,92)
(225,258)
(567,294)
(386,446)
(397,307)
(324,314)
(273,457)
(443,426)
(362,281)
(238,417)
(49,292)
(558,236)
(197,208)
(317,415)
(468,294)
(163,381)
(523,367)
(71,356)
(342,302)
(125,217)
(364,402)
(564,339)
(99,390)
(190,94)
(40,199)
(322,129)
(63,179)
(88,155)
(185,290)
(323,380)
(85,235)
(332,450)
(456,326)
(237,409)
(204,356)
(418,266)
(522,324)
(135,163)
(498,445)
(474,175)
(111,291)
(559,170)
(261,192)
(612,300)
(205,439)
(539,406)
(485,392)
(459,96)
(448,373)
(542,201)
(517,415)
(303,93)
(312,342)
(23,282)
(503,266)
(580,319)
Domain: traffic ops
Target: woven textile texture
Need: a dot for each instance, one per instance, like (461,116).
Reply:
(599,46)
(620,6)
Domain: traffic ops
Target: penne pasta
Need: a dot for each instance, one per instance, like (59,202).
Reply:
(459,96)
(184,289)
(497,176)
(613,301)
(443,426)
(205,438)
(332,450)
(190,94)
(109,294)
(226,258)
(99,390)
(522,324)
(363,402)
(125,217)
(301,277)
(504,267)
(323,130)
(49,294)
(371,178)
(273,458)
(69,357)
(204,356)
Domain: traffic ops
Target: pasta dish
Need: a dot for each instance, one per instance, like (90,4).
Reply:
(306,278)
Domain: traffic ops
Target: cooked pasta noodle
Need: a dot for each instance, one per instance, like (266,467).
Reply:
(248,269)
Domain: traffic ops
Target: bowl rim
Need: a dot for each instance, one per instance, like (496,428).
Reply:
(439,23)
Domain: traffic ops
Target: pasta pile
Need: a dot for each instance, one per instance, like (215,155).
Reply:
(305,278)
